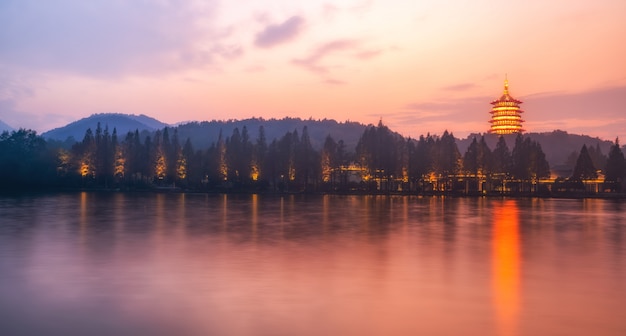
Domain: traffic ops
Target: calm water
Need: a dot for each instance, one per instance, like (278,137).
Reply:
(161,264)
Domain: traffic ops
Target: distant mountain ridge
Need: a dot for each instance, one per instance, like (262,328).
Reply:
(123,123)
(557,145)
(5,127)
(203,134)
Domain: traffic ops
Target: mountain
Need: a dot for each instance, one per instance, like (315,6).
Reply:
(557,145)
(5,127)
(123,123)
(203,134)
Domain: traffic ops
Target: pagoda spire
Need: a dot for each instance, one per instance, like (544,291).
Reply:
(506,84)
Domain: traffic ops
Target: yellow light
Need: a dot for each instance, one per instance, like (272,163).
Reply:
(181,167)
(84,169)
(160,167)
(120,163)
(254,172)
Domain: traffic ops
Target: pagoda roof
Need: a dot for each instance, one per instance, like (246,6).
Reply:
(506,97)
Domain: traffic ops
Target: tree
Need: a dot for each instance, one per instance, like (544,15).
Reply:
(528,161)
(447,159)
(258,157)
(378,152)
(306,160)
(234,157)
(597,157)
(328,159)
(193,164)
(25,161)
(220,159)
(501,158)
(470,159)
(584,169)
(615,167)
(421,159)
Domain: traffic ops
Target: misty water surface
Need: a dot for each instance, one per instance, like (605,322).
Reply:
(185,264)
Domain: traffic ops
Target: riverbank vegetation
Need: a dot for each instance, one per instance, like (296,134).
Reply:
(382,162)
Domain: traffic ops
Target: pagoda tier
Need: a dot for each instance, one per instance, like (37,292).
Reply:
(506,114)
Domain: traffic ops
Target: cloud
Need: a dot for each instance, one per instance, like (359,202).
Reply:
(313,61)
(102,38)
(16,118)
(276,34)
(600,110)
(367,54)
(14,86)
(447,105)
(334,82)
(359,8)
(460,87)
(329,11)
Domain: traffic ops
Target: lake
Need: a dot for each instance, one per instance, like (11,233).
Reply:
(196,264)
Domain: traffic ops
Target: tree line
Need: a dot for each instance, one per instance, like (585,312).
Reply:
(383,161)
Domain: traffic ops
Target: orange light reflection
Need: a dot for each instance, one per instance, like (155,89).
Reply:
(506,267)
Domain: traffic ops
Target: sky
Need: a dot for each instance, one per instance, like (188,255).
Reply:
(420,66)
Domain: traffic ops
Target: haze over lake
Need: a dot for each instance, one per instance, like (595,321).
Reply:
(89,263)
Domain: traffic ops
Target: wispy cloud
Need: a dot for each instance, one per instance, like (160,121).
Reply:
(368,54)
(313,61)
(14,85)
(460,87)
(443,105)
(334,82)
(276,34)
(16,118)
(108,38)
(359,8)
(317,61)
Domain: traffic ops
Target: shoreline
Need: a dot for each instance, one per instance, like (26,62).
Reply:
(176,190)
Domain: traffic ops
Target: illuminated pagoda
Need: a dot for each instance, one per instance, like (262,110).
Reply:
(505,114)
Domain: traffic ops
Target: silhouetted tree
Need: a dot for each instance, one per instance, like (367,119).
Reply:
(615,167)
(584,169)
(421,160)
(597,157)
(259,155)
(306,161)
(528,160)
(378,152)
(25,161)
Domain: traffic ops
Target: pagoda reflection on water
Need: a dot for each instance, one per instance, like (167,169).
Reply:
(506,114)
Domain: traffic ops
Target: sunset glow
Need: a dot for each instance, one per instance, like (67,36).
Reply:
(417,65)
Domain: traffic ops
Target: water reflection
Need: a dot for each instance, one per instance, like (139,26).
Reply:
(254,220)
(506,266)
(169,264)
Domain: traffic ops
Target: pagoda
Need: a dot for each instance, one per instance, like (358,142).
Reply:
(506,114)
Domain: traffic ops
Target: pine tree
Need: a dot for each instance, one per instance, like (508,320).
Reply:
(470,159)
(584,169)
(501,158)
(615,167)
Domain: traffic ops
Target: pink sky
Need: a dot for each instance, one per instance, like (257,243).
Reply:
(420,66)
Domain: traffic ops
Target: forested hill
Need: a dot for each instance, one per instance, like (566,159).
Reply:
(559,146)
(5,127)
(123,123)
(203,134)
